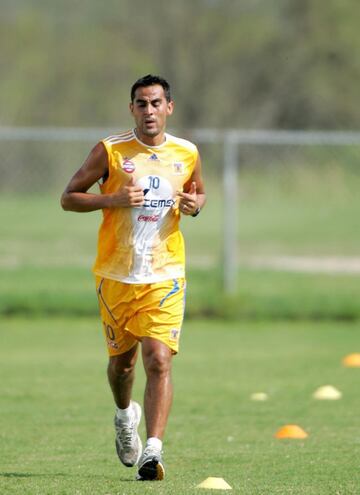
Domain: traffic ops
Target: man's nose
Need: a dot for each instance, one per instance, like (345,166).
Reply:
(148,109)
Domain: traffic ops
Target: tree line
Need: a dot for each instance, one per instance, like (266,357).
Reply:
(284,64)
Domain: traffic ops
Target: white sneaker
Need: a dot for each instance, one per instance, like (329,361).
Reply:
(127,441)
(151,466)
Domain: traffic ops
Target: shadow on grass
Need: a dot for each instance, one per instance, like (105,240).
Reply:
(54,475)
(30,475)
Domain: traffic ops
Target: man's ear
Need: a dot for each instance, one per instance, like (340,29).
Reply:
(170,107)
(131,107)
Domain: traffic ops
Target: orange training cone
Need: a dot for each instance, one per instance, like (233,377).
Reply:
(291,431)
(352,360)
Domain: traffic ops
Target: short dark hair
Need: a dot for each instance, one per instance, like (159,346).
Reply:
(150,80)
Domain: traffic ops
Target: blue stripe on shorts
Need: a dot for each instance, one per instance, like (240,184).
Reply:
(173,291)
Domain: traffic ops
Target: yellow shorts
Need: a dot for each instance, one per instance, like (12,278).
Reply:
(130,312)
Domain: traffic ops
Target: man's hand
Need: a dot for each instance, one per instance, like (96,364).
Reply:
(130,195)
(188,203)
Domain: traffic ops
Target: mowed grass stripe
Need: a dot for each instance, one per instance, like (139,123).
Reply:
(261,294)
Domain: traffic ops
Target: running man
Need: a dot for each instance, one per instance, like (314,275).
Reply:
(146,178)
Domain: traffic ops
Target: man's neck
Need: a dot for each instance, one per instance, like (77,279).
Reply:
(150,140)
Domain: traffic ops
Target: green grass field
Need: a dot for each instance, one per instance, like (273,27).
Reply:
(283,333)
(56,410)
(46,254)
(261,295)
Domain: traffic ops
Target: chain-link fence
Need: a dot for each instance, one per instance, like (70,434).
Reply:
(276,199)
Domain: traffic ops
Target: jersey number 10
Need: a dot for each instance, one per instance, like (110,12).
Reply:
(154,182)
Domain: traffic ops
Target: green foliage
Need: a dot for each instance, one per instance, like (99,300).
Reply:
(246,64)
(57,411)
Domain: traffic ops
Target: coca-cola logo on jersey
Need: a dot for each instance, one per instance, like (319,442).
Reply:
(148,218)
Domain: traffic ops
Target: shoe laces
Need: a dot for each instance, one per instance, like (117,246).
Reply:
(126,433)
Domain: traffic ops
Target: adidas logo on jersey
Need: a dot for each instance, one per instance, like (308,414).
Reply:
(153,157)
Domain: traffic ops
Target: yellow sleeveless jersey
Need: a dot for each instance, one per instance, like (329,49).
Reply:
(144,245)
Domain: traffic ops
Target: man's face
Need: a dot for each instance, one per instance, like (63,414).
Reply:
(150,110)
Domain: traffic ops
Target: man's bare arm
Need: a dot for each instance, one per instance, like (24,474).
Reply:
(194,196)
(76,198)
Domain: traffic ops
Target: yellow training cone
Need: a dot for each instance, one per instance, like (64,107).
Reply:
(259,396)
(291,431)
(352,360)
(214,484)
(327,392)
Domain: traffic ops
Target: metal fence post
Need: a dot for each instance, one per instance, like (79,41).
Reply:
(230,212)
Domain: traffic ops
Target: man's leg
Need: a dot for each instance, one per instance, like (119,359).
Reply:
(121,374)
(157,359)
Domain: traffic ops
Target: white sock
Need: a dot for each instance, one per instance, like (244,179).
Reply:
(125,415)
(154,442)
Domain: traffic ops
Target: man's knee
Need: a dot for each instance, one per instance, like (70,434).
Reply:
(119,369)
(157,358)
(122,365)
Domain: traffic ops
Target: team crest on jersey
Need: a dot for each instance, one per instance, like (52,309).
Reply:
(178,168)
(174,334)
(128,166)
(112,344)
